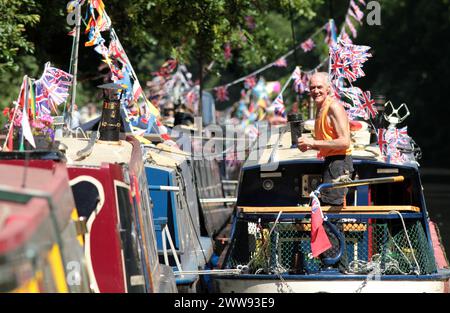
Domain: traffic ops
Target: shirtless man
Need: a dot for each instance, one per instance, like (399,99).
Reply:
(332,138)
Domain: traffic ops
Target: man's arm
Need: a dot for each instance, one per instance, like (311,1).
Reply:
(339,120)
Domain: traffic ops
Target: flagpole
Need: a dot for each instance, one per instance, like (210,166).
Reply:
(75,62)
(25,113)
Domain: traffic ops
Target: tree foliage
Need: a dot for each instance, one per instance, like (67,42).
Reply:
(16,17)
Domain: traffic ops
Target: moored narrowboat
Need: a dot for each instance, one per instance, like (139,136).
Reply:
(111,193)
(40,238)
(382,238)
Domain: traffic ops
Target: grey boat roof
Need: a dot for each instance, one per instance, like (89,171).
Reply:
(101,153)
(266,155)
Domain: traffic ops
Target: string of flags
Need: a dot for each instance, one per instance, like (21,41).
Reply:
(139,110)
(353,12)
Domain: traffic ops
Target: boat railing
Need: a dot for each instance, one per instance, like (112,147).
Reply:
(395,242)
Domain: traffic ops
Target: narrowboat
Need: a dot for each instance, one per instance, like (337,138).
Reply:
(382,239)
(176,214)
(41,247)
(111,193)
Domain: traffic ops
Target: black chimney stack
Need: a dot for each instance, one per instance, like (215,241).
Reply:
(111,120)
(295,121)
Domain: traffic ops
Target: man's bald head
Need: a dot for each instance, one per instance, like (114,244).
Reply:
(322,77)
(319,86)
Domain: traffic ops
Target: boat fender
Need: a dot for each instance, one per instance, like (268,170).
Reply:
(334,230)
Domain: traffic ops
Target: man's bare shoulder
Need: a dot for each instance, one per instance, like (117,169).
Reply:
(337,108)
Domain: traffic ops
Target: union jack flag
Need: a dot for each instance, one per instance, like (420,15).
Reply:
(222,93)
(281,62)
(367,104)
(52,89)
(356,12)
(389,140)
(278,105)
(307,45)
(300,81)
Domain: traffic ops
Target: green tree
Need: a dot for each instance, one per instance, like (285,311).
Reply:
(16,16)
(196,31)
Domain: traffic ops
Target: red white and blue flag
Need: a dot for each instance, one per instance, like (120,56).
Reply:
(300,81)
(307,45)
(281,62)
(52,89)
(319,239)
(278,105)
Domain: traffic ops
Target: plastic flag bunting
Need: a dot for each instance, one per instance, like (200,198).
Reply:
(281,62)
(356,12)
(297,78)
(52,89)
(227,52)
(72,32)
(307,45)
(278,105)
(319,239)
(137,91)
(351,27)
(390,140)
(222,93)
(250,82)
(115,51)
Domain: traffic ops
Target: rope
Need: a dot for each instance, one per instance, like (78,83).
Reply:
(374,266)
(417,269)
(247,266)
(209,272)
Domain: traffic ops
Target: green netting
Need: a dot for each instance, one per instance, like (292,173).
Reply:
(368,243)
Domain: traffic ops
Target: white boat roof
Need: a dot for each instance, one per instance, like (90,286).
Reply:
(101,153)
(165,155)
(286,153)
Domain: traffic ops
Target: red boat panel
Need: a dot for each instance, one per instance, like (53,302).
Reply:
(104,238)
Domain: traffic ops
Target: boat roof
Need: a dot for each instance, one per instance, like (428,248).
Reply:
(20,185)
(165,155)
(284,153)
(102,152)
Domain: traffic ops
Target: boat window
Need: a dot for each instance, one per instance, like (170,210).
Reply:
(149,228)
(86,197)
(130,244)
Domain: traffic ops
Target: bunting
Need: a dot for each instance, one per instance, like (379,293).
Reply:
(307,45)
(278,106)
(137,107)
(51,90)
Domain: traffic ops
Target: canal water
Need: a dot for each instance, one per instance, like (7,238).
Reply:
(436,184)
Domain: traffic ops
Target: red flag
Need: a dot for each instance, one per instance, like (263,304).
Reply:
(319,239)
